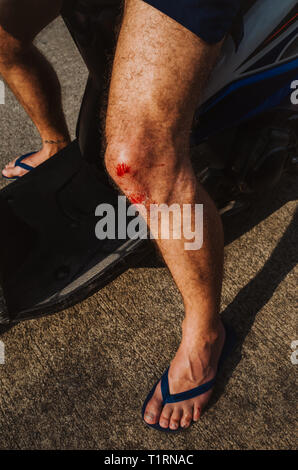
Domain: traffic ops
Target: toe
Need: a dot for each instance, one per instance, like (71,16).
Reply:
(10,164)
(154,407)
(6,172)
(175,419)
(13,172)
(187,417)
(152,413)
(196,412)
(165,416)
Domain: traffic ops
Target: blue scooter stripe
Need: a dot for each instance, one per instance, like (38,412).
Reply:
(252,79)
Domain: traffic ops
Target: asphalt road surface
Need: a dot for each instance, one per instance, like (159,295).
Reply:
(77,380)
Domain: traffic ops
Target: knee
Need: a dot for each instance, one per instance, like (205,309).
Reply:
(142,160)
(124,159)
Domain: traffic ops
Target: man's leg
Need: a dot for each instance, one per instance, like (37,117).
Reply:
(159,71)
(30,76)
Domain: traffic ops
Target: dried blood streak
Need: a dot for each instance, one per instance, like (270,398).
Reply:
(137,198)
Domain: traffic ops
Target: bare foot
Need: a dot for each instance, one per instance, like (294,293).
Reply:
(194,364)
(34,160)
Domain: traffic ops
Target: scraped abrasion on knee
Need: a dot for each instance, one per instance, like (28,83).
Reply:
(125,176)
(122,169)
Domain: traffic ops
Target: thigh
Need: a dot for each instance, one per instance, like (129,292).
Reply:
(211,20)
(24,19)
(160,69)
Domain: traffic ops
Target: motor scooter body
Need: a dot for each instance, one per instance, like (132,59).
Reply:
(50,257)
(249,113)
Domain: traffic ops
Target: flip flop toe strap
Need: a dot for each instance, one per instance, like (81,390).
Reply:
(174,398)
(19,162)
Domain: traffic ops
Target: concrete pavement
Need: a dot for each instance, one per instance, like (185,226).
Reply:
(77,380)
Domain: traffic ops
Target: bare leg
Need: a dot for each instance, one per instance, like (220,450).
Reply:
(30,76)
(159,71)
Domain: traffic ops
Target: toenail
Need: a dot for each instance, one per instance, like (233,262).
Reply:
(149,416)
(164,424)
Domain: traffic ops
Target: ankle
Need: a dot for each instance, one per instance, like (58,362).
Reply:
(205,323)
(196,330)
(56,140)
(51,147)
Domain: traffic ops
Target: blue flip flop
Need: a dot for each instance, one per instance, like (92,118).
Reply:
(19,162)
(230,343)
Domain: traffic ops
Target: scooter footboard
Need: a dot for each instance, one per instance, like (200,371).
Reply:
(50,257)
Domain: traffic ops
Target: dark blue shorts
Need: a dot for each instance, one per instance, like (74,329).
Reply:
(211,20)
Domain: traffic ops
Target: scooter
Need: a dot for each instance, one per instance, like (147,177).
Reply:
(50,257)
